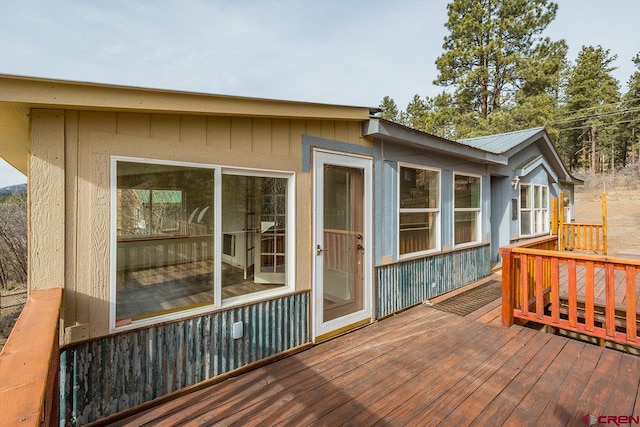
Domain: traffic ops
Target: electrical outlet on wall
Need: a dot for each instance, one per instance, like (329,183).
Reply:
(237,330)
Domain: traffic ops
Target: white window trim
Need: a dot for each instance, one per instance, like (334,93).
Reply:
(544,212)
(521,210)
(478,211)
(438,211)
(218,303)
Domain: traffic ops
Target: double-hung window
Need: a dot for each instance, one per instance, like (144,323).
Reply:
(419,211)
(191,236)
(534,209)
(525,210)
(467,208)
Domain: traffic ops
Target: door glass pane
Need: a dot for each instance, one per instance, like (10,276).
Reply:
(343,256)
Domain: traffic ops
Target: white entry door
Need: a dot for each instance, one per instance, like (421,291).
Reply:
(342,247)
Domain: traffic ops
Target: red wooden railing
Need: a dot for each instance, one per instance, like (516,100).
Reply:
(29,363)
(588,294)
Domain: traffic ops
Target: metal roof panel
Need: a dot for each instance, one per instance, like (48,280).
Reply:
(501,143)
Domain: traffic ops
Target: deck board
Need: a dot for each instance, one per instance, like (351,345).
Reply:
(595,394)
(420,367)
(625,391)
(481,398)
(563,403)
(542,394)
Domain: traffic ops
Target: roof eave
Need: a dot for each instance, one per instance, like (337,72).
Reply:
(389,131)
(48,93)
(14,135)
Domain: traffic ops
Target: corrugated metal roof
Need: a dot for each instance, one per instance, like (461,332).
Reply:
(500,143)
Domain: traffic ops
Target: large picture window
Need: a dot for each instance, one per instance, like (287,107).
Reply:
(466,210)
(419,211)
(184,242)
(534,209)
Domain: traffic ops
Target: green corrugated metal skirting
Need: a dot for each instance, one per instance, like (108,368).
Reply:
(404,284)
(114,373)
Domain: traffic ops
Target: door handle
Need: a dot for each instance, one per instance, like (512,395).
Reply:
(319,250)
(360,247)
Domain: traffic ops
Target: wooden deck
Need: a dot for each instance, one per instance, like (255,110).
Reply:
(421,367)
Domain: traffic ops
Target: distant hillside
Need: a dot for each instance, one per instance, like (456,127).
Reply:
(20,188)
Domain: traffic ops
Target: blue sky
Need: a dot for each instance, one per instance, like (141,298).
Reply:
(341,52)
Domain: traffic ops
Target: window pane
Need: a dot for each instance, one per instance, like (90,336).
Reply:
(545,221)
(525,223)
(467,191)
(525,198)
(537,197)
(417,232)
(254,212)
(466,226)
(164,257)
(545,197)
(418,188)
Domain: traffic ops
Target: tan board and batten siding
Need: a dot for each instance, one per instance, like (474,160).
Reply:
(73,130)
(90,139)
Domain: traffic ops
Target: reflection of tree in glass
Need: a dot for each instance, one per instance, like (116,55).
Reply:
(164,200)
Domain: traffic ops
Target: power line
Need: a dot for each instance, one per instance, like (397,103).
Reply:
(599,106)
(601,125)
(593,116)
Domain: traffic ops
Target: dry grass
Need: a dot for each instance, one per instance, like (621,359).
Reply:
(623,207)
(8,316)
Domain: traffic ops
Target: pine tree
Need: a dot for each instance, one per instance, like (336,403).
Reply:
(629,147)
(492,49)
(390,109)
(592,94)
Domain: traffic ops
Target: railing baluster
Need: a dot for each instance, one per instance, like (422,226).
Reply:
(539,283)
(573,297)
(524,284)
(631,315)
(589,297)
(555,290)
(610,301)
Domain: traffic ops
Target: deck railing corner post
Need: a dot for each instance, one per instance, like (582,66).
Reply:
(508,284)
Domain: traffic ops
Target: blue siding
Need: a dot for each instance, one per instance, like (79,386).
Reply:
(114,373)
(401,285)
(386,194)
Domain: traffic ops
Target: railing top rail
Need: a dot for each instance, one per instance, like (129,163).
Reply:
(533,242)
(578,256)
(26,357)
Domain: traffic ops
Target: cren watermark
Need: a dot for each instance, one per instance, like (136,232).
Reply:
(616,420)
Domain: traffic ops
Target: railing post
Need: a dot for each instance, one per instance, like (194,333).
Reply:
(604,222)
(554,216)
(508,285)
(561,222)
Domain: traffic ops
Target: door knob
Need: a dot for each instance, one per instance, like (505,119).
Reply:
(319,250)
